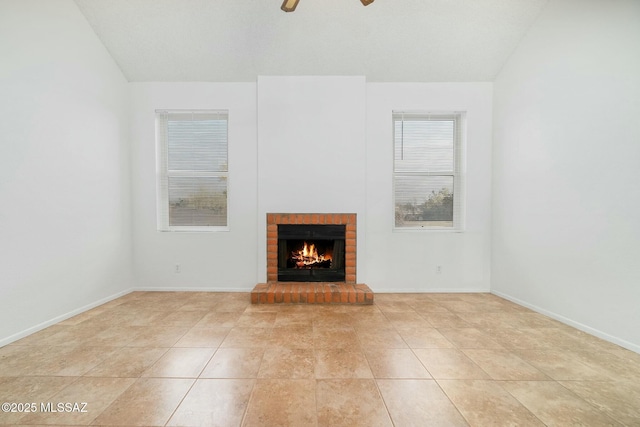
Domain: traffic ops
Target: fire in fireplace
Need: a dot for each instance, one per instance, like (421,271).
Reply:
(309,257)
(311,253)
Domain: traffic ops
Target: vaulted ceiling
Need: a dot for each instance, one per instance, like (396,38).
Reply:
(237,40)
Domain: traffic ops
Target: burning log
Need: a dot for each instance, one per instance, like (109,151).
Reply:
(320,264)
(308,257)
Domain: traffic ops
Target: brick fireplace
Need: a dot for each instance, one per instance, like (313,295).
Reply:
(311,290)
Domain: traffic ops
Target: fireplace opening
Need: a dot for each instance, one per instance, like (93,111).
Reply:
(311,253)
(314,254)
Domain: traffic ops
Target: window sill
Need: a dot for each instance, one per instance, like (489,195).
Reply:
(427,229)
(213,229)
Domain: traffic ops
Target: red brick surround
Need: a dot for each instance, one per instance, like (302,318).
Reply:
(347,292)
(274,219)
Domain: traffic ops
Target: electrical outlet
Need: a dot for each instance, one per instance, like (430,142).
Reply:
(438,269)
(177,269)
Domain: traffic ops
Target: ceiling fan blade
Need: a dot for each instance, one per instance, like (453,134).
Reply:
(289,5)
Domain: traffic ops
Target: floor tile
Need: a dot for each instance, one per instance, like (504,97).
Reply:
(158,336)
(395,307)
(184,318)
(67,361)
(246,337)
(350,402)
(609,365)
(148,402)
(589,342)
(233,306)
(203,337)
(553,338)
(291,337)
(128,362)
(214,403)
(23,389)
(469,338)
(529,320)
(369,321)
(408,359)
(180,363)
(82,317)
(341,363)
(114,336)
(92,396)
(148,317)
(287,363)
(449,363)
(395,363)
(410,319)
(205,301)
(29,389)
(560,365)
(490,320)
(419,337)
(380,338)
(511,338)
(460,306)
(336,337)
(37,338)
(292,319)
(332,320)
(554,405)
(419,403)
(504,365)
(221,319)
(71,335)
(486,403)
(257,320)
(282,402)
(234,363)
(618,399)
(423,307)
(444,320)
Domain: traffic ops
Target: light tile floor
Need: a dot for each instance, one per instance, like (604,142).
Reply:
(213,359)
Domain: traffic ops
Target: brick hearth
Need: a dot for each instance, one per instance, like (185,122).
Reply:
(311,293)
(347,292)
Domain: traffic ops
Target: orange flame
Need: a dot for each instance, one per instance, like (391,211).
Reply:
(308,255)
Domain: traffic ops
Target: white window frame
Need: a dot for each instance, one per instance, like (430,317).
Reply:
(458,172)
(163,174)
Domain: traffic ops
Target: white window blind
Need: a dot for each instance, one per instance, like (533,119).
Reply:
(428,173)
(192,169)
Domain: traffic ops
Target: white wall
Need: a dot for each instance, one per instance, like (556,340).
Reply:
(209,260)
(311,151)
(317,144)
(65,240)
(566,197)
(407,260)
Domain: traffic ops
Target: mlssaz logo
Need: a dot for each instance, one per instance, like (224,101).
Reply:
(63,407)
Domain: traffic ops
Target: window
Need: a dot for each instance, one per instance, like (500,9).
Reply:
(427,170)
(192,170)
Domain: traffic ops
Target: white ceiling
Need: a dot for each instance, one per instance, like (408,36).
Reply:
(237,40)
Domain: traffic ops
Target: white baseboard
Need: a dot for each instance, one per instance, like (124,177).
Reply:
(595,332)
(65,316)
(431,291)
(188,289)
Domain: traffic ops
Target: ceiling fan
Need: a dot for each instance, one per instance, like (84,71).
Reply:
(290,5)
